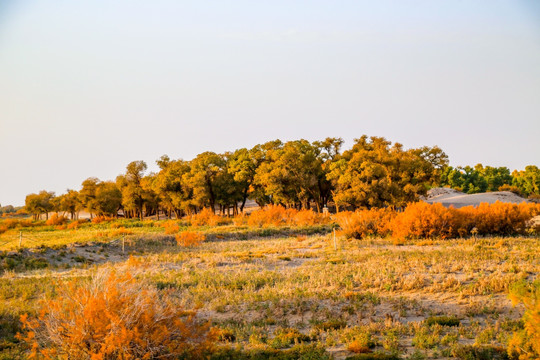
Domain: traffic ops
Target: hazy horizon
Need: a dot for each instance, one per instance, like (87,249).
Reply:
(87,88)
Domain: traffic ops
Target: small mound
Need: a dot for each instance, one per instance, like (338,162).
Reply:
(450,197)
(435,192)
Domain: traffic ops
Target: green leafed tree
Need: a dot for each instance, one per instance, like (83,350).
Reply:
(528,180)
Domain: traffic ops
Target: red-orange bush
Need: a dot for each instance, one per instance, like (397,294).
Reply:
(114,317)
(503,218)
(99,219)
(362,223)
(240,220)
(422,220)
(308,218)
(14,223)
(171,227)
(76,223)
(269,215)
(120,231)
(56,220)
(207,217)
(190,238)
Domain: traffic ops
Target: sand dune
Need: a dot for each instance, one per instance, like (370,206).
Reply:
(458,199)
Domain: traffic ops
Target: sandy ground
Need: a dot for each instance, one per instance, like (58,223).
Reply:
(458,199)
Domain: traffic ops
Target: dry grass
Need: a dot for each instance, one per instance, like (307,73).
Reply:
(272,293)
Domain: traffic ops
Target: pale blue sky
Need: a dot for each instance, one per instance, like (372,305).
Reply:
(87,87)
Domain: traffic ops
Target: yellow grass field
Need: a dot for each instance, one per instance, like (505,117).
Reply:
(292,292)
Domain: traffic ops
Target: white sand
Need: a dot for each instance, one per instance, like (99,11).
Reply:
(458,199)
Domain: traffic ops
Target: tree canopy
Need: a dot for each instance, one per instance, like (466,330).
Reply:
(300,174)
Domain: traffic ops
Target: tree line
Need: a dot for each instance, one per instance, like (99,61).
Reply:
(296,174)
(481,178)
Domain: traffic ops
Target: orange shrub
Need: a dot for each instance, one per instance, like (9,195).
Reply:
(99,219)
(206,217)
(240,220)
(56,220)
(525,343)
(60,227)
(171,227)
(357,346)
(422,220)
(13,223)
(308,218)
(3,229)
(114,316)
(190,238)
(121,231)
(75,224)
(270,215)
(362,223)
(503,218)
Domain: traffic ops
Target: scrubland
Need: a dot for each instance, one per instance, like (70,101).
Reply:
(276,285)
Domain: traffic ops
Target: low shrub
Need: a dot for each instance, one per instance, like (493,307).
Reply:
(171,227)
(442,320)
(285,337)
(190,238)
(277,215)
(76,223)
(373,356)
(471,352)
(206,217)
(364,223)
(525,343)
(121,231)
(114,316)
(17,223)
(270,215)
(421,220)
(308,218)
(101,218)
(55,219)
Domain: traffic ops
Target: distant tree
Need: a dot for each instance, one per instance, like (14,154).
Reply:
(171,185)
(130,184)
(87,195)
(151,198)
(376,174)
(261,154)
(108,199)
(8,209)
(70,202)
(41,203)
(528,180)
(475,180)
(329,151)
(206,172)
(495,177)
(294,174)
(243,165)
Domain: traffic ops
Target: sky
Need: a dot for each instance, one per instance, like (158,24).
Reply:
(87,87)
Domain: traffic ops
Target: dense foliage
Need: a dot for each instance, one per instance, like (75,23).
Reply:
(296,174)
(422,220)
